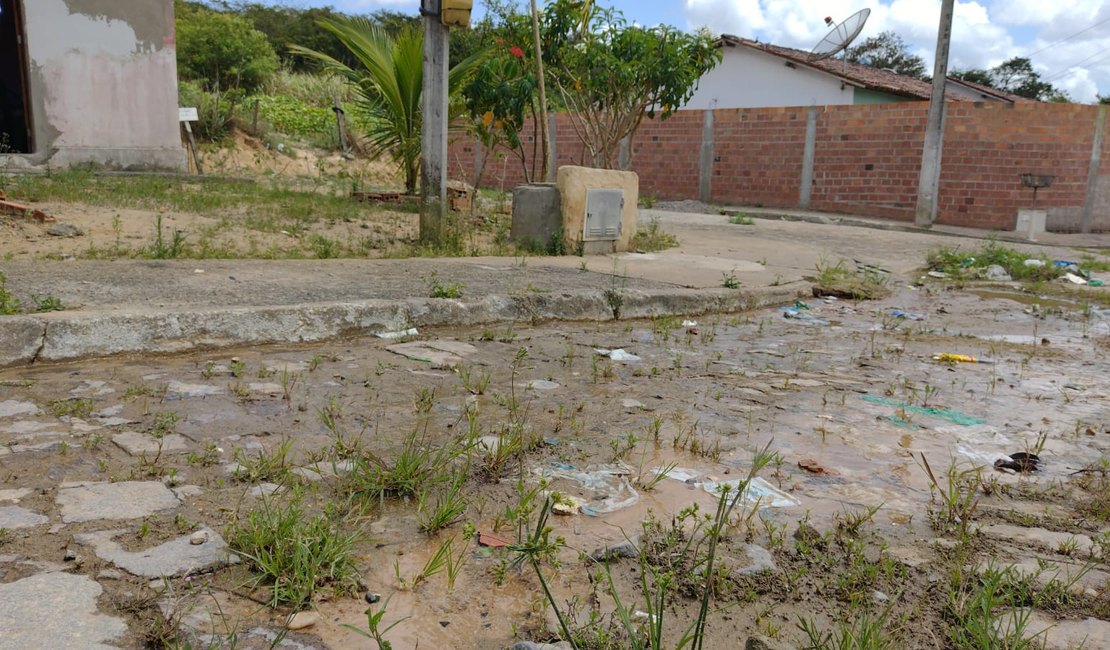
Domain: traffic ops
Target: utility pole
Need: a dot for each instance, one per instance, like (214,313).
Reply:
(928,183)
(433,131)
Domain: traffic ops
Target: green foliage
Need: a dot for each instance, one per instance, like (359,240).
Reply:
(1015,76)
(293,553)
(215,109)
(611,74)
(221,50)
(386,82)
(440,289)
(887,51)
(502,89)
(47,303)
(9,304)
(293,116)
(285,26)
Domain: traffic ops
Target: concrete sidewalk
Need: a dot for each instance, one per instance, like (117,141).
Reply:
(178,305)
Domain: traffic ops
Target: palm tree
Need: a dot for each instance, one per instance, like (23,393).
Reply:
(387,85)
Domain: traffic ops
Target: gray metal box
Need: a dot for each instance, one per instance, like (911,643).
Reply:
(603,215)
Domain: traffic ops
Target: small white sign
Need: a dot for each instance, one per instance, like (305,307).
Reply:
(187,114)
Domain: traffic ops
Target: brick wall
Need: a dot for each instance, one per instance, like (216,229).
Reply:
(866,160)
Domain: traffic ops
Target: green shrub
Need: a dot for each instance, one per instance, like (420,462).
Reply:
(221,50)
(293,116)
(215,110)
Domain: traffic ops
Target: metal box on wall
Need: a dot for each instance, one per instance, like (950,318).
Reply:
(603,214)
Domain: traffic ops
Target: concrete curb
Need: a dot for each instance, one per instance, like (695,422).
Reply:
(64,336)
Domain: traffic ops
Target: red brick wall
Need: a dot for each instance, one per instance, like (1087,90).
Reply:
(866,159)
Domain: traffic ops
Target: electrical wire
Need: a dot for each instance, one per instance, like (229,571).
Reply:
(1068,38)
(1067,69)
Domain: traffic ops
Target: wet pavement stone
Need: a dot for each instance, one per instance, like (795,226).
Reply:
(174,558)
(57,611)
(124,500)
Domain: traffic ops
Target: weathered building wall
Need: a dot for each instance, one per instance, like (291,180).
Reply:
(103,83)
(864,160)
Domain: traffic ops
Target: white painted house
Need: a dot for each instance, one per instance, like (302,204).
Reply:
(753,75)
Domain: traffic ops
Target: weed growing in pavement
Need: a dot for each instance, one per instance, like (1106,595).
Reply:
(160,249)
(474,380)
(374,630)
(439,506)
(47,303)
(740,219)
(840,281)
(164,423)
(729,280)
(263,467)
(441,289)
(416,466)
(958,264)
(294,553)
(443,560)
(72,407)
(985,612)
(651,237)
(957,497)
(9,304)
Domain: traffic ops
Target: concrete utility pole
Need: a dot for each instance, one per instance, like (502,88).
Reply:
(433,132)
(929,182)
(547,173)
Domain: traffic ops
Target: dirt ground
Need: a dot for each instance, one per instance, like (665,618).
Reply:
(262,208)
(882,501)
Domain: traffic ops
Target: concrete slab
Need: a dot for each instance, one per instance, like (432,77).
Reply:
(136,443)
(13,517)
(176,557)
(57,611)
(123,500)
(11,408)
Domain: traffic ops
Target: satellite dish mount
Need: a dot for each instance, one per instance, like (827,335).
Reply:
(841,35)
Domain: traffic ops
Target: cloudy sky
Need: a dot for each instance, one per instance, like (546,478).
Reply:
(1067,40)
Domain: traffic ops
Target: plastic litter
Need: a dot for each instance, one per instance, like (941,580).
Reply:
(400,334)
(1060,264)
(617,355)
(937,274)
(909,315)
(798,304)
(803,317)
(689,323)
(759,491)
(1074,279)
(1020,462)
(1095,282)
(610,481)
(996,273)
(948,414)
(1034,262)
(948,357)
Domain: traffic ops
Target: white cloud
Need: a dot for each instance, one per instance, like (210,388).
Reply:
(984,32)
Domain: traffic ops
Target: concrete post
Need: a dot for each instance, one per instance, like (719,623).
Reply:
(553,157)
(433,134)
(1092,171)
(705,161)
(928,183)
(624,155)
(808,154)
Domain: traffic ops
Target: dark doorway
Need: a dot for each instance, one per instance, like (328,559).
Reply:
(15,132)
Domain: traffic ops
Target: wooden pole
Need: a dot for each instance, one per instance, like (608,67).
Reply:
(547,166)
(433,130)
(193,147)
(339,123)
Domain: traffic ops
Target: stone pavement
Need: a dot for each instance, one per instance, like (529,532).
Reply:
(178,305)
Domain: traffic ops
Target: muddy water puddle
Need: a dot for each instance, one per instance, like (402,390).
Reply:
(850,407)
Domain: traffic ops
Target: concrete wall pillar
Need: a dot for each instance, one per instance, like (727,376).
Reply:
(807,158)
(705,162)
(1092,171)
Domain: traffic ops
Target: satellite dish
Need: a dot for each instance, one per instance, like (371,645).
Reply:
(841,35)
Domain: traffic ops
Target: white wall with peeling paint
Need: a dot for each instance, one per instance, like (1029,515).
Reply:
(99,93)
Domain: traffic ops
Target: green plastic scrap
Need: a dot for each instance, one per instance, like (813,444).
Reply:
(955,417)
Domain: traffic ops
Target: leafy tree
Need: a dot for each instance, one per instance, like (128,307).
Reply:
(611,74)
(387,85)
(888,51)
(497,98)
(221,50)
(1018,77)
(285,26)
